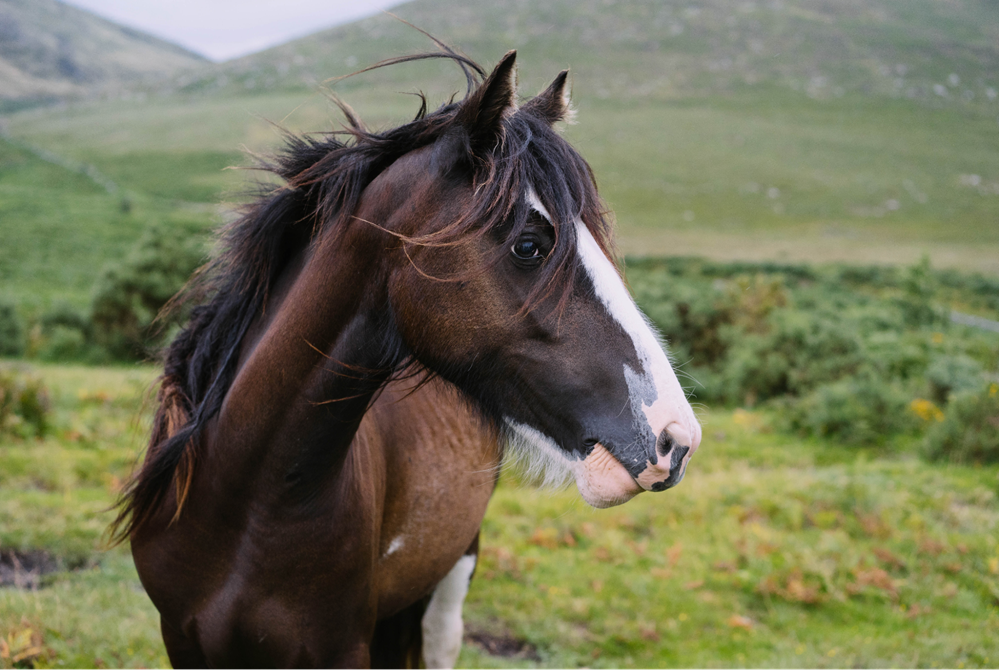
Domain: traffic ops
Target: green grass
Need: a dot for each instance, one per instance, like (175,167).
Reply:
(60,228)
(773,552)
(705,126)
(755,175)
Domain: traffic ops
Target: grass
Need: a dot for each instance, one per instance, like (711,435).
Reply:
(773,552)
(755,174)
(60,228)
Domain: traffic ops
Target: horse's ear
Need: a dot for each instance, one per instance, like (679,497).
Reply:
(552,104)
(483,111)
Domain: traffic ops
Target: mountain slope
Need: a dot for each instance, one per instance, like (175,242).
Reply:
(50,50)
(931,50)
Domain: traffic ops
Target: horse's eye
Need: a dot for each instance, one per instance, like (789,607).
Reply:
(526,249)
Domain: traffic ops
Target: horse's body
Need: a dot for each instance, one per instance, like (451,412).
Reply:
(379,544)
(299,507)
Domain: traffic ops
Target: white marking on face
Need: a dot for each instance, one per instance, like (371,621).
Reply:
(442,624)
(395,545)
(656,378)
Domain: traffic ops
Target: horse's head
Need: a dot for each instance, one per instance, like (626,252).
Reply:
(504,285)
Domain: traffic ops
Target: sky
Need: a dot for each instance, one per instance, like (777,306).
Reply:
(224,29)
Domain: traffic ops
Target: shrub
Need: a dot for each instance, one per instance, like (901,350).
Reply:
(11,331)
(64,334)
(799,352)
(919,284)
(24,404)
(947,375)
(861,411)
(129,295)
(969,432)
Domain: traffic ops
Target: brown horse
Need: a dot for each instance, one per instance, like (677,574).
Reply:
(330,420)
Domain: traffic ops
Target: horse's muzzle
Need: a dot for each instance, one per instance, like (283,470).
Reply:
(674,448)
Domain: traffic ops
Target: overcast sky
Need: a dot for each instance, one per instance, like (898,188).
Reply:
(224,29)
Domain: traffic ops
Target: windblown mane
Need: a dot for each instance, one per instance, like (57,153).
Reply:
(324,178)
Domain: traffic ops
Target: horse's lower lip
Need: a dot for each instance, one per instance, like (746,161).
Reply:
(603,481)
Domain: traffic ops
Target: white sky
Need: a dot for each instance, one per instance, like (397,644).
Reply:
(224,29)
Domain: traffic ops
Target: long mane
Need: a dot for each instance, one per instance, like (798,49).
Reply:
(324,178)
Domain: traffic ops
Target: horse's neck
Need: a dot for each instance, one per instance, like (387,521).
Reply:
(309,374)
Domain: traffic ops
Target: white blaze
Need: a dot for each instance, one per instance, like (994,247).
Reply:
(670,404)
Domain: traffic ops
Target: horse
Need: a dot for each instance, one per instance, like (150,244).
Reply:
(374,335)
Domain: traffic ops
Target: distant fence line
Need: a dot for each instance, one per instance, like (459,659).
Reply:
(85,169)
(974,321)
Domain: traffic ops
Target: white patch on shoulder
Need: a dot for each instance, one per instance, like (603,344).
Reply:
(443,627)
(537,455)
(394,546)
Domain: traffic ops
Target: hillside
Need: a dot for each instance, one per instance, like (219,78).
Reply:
(929,50)
(697,155)
(50,50)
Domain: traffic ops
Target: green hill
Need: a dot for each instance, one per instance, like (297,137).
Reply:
(792,130)
(50,50)
(929,50)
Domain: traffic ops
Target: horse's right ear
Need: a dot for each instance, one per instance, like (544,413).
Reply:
(482,113)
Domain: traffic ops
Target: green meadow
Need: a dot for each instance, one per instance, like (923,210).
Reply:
(835,168)
(775,551)
(756,175)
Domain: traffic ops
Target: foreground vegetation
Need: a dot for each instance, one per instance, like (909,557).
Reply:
(775,551)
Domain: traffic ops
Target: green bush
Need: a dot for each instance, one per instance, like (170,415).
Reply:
(24,404)
(11,331)
(799,351)
(128,296)
(841,351)
(947,375)
(858,411)
(63,334)
(969,432)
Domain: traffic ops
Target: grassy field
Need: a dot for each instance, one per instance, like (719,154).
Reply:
(750,177)
(860,132)
(774,552)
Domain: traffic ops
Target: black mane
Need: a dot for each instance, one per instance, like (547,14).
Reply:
(324,178)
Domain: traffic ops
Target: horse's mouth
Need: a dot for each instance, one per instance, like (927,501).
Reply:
(604,482)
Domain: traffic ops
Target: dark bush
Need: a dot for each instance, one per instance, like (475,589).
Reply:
(129,295)
(11,331)
(969,432)
(24,404)
(919,285)
(64,334)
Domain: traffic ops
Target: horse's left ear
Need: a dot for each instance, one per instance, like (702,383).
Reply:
(483,111)
(552,104)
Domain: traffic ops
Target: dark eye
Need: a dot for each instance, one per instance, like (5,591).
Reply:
(526,249)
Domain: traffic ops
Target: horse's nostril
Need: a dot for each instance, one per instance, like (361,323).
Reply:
(676,459)
(665,443)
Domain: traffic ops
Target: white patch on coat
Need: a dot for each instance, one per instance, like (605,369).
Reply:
(394,546)
(442,624)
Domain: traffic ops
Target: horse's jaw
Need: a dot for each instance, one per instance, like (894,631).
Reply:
(602,481)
